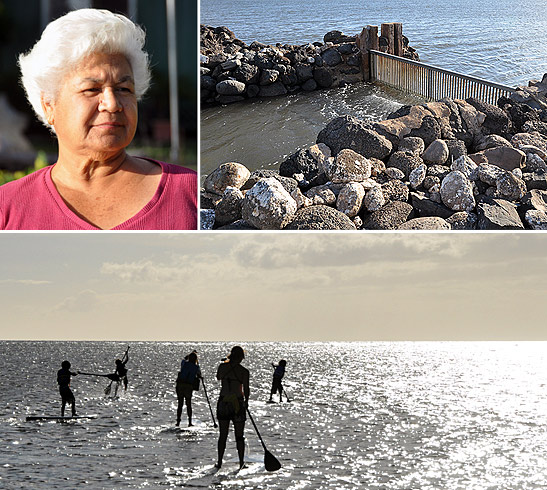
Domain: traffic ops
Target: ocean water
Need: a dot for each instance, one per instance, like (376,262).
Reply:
(375,415)
(497,40)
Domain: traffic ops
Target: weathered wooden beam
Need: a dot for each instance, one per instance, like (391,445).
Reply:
(388,32)
(367,40)
(398,38)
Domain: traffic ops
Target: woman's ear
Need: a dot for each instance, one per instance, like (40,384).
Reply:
(48,108)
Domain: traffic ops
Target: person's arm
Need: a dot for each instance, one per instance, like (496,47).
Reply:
(74,374)
(125,356)
(219,376)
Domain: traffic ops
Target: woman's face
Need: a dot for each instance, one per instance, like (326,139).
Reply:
(95,111)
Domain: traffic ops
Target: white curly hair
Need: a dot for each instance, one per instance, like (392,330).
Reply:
(68,40)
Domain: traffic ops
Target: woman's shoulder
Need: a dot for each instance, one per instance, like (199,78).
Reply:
(171,168)
(29,183)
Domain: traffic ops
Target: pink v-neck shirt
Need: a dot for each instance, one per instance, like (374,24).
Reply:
(33,203)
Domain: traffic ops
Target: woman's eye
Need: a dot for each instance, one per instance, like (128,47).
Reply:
(92,90)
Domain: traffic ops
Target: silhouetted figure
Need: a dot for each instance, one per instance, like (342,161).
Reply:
(121,370)
(277,387)
(120,375)
(186,381)
(232,402)
(63,379)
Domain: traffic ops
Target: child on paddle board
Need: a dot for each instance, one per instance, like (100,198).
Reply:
(121,370)
(279,372)
(63,379)
(232,402)
(186,384)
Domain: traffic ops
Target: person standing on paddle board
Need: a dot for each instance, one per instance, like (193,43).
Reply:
(186,380)
(232,402)
(63,379)
(121,370)
(279,372)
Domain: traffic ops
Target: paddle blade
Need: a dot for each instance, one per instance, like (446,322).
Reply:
(271,462)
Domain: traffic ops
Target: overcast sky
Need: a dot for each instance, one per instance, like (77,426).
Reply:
(273,286)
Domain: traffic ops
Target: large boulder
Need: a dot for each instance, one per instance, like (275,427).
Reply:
(426,207)
(350,199)
(426,223)
(320,218)
(457,192)
(503,156)
(308,162)
(536,219)
(228,208)
(268,206)
(436,153)
(404,161)
(498,214)
(230,87)
(230,174)
(462,220)
(348,166)
(389,217)
(355,134)
(496,121)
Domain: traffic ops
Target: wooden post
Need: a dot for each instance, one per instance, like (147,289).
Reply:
(398,38)
(367,40)
(388,32)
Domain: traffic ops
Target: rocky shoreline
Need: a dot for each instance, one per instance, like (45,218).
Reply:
(446,165)
(232,71)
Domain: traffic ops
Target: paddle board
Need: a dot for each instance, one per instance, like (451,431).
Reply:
(52,417)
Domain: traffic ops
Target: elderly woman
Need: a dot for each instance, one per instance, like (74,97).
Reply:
(83,79)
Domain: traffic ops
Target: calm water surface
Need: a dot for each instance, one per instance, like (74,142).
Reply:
(397,415)
(497,40)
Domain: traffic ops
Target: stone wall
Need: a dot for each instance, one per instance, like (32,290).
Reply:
(232,71)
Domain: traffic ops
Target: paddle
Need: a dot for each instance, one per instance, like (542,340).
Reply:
(208,403)
(95,374)
(270,461)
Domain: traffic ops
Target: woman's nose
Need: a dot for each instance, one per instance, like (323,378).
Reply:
(110,101)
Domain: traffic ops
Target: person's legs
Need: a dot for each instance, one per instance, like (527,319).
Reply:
(63,404)
(272,391)
(239,428)
(280,392)
(180,403)
(189,409)
(224,426)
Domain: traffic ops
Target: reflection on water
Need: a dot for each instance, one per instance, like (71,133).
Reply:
(396,415)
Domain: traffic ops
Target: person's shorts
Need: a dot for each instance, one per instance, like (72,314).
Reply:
(184,390)
(66,394)
(276,385)
(231,407)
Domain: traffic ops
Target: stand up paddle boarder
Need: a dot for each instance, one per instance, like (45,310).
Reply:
(232,402)
(279,372)
(63,379)
(121,371)
(187,381)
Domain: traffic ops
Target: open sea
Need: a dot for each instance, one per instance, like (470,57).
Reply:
(374,415)
(498,40)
